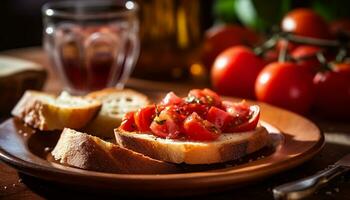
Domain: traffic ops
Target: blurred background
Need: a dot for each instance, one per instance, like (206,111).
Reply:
(22,23)
(184,21)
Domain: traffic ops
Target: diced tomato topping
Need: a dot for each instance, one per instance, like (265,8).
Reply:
(167,124)
(199,129)
(128,122)
(201,116)
(144,117)
(171,99)
(190,108)
(240,109)
(205,96)
(250,124)
(245,117)
(218,117)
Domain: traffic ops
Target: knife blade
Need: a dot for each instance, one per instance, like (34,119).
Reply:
(306,186)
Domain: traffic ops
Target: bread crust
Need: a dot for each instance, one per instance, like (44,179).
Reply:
(91,153)
(37,110)
(229,146)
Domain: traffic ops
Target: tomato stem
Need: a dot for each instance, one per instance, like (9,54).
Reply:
(310,41)
(321,58)
(282,57)
(267,45)
(341,55)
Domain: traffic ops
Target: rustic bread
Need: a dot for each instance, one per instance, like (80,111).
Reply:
(115,103)
(227,147)
(48,112)
(88,152)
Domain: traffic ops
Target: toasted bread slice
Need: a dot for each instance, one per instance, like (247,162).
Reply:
(229,146)
(88,152)
(48,112)
(115,103)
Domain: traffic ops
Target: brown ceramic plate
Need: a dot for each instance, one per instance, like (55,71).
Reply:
(296,140)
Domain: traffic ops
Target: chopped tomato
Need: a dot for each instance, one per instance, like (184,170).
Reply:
(247,123)
(171,99)
(251,123)
(201,116)
(240,109)
(197,128)
(143,118)
(188,108)
(218,117)
(167,124)
(128,122)
(205,96)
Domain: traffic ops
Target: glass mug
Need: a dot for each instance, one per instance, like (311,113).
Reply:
(92,44)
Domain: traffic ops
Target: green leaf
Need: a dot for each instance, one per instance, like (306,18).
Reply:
(261,15)
(224,11)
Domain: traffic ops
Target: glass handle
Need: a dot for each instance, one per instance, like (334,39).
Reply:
(132,51)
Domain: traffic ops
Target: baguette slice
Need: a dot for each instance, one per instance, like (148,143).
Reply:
(115,103)
(88,152)
(229,146)
(48,112)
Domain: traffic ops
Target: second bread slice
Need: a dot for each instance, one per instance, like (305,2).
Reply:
(115,103)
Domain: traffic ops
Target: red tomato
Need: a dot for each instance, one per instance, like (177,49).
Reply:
(305,22)
(205,96)
(198,129)
(270,56)
(218,117)
(167,124)
(286,85)
(219,38)
(281,44)
(340,26)
(143,118)
(128,122)
(171,99)
(234,72)
(333,92)
(310,61)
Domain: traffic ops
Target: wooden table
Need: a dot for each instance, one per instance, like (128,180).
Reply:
(18,186)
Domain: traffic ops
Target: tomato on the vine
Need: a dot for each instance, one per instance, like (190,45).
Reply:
(235,70)
(306,57)
(287,85)
(305,22)
(333,91)
(270,56)
(219,38)
(340,26)
(284,44)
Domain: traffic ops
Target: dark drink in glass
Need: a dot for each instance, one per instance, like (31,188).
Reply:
(93,45)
